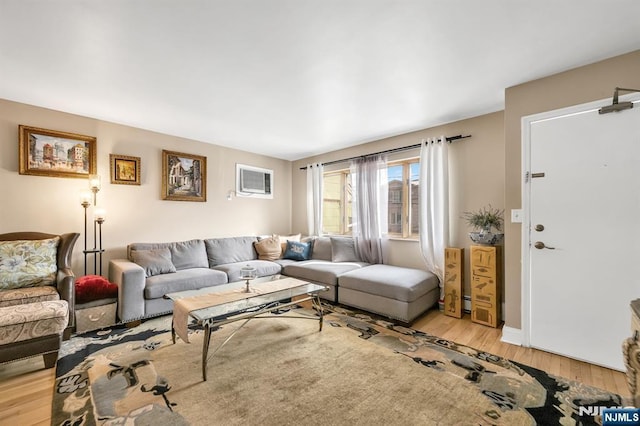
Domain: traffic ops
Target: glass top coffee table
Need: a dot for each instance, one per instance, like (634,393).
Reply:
(214,306)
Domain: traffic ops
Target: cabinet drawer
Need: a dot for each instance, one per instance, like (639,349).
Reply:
(94,318)
(485,284)
(479,280)
(483,272)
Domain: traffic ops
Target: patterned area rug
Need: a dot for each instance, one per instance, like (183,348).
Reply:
(358,370)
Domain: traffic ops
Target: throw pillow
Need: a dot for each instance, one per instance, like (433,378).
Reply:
(28,263)
(94,287)
(343,249)
(284,239)
(154,262)
(268,248)
(297,250)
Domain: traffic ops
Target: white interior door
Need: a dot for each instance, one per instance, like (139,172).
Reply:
(585,210)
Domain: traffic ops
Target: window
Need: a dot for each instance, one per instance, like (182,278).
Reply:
(403,182)
(414,201)
(403,198)
(336,205)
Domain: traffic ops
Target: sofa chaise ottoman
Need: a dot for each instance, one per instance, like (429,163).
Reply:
(330,258)
(393,291)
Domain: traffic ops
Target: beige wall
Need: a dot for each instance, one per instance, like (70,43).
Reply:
(486,169)
(134,213)
(580,85)
(476,177)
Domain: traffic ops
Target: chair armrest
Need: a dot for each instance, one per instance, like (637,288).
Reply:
(130,278)
(65,249)
(66,286)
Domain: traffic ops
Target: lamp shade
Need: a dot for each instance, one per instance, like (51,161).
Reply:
(85,198)
(94,182)
(100,214)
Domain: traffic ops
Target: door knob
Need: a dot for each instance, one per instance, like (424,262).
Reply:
(540,245)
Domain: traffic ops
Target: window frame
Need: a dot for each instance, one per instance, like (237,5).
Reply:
(406,194)
(407,219)
(344,195)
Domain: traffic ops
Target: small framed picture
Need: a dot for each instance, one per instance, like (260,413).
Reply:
(125,169)
(58,154)
(184,176)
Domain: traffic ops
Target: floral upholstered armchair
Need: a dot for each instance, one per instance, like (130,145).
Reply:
(36,294)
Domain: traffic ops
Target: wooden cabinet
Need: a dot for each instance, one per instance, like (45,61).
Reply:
(453,281)
(486,271)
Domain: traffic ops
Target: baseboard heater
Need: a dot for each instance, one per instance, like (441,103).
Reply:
(466,306)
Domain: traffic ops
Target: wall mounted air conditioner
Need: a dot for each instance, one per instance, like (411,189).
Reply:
(253,182)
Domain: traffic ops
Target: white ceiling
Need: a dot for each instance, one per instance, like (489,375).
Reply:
(295,78)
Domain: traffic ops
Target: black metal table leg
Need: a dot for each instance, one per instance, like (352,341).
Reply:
(320,311)
(205,350)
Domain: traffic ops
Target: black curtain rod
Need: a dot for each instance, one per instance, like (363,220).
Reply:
(388,151)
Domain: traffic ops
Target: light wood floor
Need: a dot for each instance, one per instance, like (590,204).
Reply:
(26,388)
(485,338)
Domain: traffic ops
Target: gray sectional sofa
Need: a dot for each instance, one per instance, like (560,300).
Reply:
(152,270)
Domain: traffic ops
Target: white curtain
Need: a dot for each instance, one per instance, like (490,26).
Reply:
(370,194)
(434,204)
(314,198)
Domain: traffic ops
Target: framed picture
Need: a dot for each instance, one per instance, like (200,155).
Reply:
(184,176)
(59,154)
(124,169)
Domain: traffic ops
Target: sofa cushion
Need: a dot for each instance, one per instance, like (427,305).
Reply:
(154,262)
(189,254)
(321,248)
(186,279)
(343,249)
(221,251)
(285,262)
(184,254)
(268,248)
(28,263)
(320,271)
(263,268)
(297,250)
(26,322)
(22,296)
(392,282)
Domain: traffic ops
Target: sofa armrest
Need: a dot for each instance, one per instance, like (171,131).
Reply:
(66,286)
(130,278)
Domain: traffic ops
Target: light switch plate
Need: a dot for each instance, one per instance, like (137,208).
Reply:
(516,216)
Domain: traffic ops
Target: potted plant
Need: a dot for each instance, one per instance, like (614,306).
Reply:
(484,221)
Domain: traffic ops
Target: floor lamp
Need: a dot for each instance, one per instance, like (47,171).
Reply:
(99,216)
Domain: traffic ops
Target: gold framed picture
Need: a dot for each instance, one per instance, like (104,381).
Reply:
(184,176)
(52,153)
(125,169)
